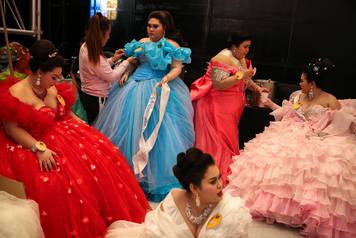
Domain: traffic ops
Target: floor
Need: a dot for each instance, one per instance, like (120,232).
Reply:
(264,230)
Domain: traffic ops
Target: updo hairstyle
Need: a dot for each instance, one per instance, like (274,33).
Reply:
(191,167)
(44,56)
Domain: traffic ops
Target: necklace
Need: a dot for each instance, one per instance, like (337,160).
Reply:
(197,220)
(41,94)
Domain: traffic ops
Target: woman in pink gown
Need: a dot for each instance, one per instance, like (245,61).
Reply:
(219,100)
(301,171)
(80,180)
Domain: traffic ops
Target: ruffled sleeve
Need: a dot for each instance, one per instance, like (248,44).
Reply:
(132,48)
(235,219)
(341,121)
(178,54)
(68,92)
(12,109)
(161,54)
(200,87)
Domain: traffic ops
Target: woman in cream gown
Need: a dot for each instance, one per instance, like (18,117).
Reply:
(221,215)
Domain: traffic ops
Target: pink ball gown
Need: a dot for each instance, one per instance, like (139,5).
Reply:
(301,171)
(216,117)
(93,185)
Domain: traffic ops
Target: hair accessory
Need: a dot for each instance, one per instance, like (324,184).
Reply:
(316,69)
(51,55)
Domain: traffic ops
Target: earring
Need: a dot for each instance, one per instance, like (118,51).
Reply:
(197,201)
(311,93)
(38,80)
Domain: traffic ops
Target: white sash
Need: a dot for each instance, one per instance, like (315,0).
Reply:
(140,159)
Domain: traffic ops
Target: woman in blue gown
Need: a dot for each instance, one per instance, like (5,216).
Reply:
(151,139)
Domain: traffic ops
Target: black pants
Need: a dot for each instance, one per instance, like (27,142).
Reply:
(91,105)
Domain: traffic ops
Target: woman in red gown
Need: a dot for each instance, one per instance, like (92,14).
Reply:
(219,100)
(80,180)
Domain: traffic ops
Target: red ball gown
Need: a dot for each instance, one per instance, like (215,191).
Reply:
(93,185)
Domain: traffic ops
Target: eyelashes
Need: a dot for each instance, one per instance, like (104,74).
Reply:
(154,26)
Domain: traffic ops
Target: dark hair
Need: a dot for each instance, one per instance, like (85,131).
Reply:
(237,38)
(44,56)
(191,167)
(166,19)
(95,30)
(319,70)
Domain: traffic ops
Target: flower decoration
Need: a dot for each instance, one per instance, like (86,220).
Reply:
(214,221)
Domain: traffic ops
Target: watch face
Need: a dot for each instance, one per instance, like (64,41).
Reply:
(239,75)
(41,146)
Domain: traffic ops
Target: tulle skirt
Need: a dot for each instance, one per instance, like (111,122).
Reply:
(121,121)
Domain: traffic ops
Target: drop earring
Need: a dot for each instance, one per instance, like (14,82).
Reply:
(311,93)
(38,81)
(197,201)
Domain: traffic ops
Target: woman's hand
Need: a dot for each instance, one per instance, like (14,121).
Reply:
(165,79)
(132,60)
(46,160)
(248,74)
(263,90)
(118,55)
(124,78)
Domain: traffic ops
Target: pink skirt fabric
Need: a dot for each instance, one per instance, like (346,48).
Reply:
(292,175)
(216,118)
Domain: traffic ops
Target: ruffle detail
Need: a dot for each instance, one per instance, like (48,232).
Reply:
(291,175)
(12,109)
(68,91)
(26,116)
(159,54)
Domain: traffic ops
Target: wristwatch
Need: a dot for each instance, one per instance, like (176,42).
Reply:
(39,146)
(239,75)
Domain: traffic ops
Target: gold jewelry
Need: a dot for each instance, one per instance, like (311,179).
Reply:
(239,75)
(39,146)
(61,100)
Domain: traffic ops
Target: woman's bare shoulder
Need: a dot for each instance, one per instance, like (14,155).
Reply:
(222,59)
(143,40)
(174,43)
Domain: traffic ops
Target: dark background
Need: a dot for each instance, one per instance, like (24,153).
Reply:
(287,33)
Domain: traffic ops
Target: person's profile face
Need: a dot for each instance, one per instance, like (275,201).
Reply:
(304,84)
(48,79)
(242,50)
(210,190)
(155,29)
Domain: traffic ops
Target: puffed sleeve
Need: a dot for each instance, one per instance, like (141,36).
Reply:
(181,54)
(133,48)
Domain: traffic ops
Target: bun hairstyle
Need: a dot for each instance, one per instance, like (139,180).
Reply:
(319,70)
(191,167)
(44,56)
(237,38)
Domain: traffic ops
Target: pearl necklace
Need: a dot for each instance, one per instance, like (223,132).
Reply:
(197,220)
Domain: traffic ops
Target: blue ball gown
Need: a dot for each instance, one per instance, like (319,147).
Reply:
(121,119)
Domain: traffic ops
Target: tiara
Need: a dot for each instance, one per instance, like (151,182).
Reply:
(317,68)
